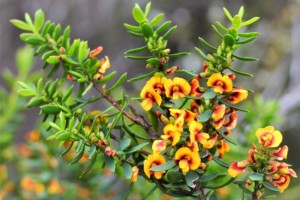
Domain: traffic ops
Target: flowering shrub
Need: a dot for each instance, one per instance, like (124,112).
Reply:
(190,114)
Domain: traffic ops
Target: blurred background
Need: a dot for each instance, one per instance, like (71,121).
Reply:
(276,74)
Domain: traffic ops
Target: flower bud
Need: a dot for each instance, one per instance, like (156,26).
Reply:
(96,52)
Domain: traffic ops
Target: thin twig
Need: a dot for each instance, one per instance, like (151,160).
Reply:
(139,120)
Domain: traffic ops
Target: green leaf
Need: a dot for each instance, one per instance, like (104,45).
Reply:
(138,57)
(128,191)
(68,93)
(209,94)
(270,186)
(21,25)
(229,40)
(93,151)
(141,77)
(241,12)
(109,163)
(153,119)
(136,50)
(26,92)
(108,77)
(34,40)
(78,156)
(67,149)
(50,109)
(118,83)
(219,184)
(207,178)
(220,162)
(163,27)
(53,60)
(124,143)
(233,106)
(169,32)
(147,9)
(178,55)
(127,170)
(133,149)
(245,58)
(28,19)
(66,37)
(256,177)
(220,26)
(147,30)
(236,23)
(202,41)
(39,19)
(35,101)
(201,53)
(83,51)
(132,28)
(228,139)
(88,88)
(250,21)
(168,165)
(135,34)
(217,31)
(240,72)
(190,178)
(174,176)
(93,161)
(250,34)
(138,14)
(63,136)
(149,193)
(205,116)
(157,19)
(250,39)
(227,14)
(188,72)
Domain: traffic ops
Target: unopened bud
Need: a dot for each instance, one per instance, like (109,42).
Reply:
(69,77)
(149,66)
(96,52)
(62,50)
(98,76)
(163,60)
(158,114)
(231,76)
(166,52)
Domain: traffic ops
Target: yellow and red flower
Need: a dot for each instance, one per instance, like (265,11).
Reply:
(230,122)
(237,168)
(281,181)
(220,83)
(195,88)
(171,133)
(152,161)
(211,142)
(105,64)
(149,96)
(188,115)
(268,136)
(219,112)
(177,88)
(237,95)
(157,83)
(196,134)
(187,159)
(95,52)
(135,173)
(159,146)
(280,153)
(222,148)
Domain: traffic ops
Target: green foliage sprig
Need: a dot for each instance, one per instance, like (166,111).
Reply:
(190,120)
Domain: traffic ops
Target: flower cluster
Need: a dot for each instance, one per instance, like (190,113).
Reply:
(266,160)
(184,133)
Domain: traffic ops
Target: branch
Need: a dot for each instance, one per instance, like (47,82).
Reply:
(139,120)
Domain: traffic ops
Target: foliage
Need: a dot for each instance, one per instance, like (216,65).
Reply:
(190,117)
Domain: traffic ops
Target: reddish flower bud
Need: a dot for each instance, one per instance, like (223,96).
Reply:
(62,50)
(158,114)
(69,77)
(163,60)
(95,52)
(232,76)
